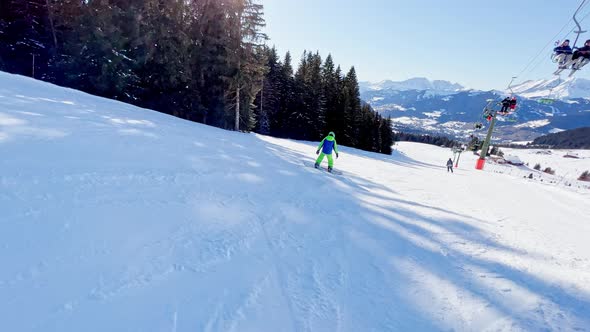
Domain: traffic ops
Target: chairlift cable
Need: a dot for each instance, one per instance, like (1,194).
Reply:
(492,102)
(541,60)
(552,40)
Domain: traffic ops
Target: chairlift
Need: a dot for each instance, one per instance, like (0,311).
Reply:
(546,101)
(551,97)
(564,59)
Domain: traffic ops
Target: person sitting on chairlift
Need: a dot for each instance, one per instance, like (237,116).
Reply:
(563,53)
(509,103)
(582,52)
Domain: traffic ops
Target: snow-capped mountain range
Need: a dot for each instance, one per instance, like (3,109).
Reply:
(556,88)
(441,107)
(418,83)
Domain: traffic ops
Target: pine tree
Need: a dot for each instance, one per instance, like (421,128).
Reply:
(202,60)
(299,116)
(330,88)
(161,49)
(267,102)
(339,105)
(94,54)
(209,61)
(246,52)
(25,37)
(287,100)
(351,108)
(364,129)
(387,137)
(315,97)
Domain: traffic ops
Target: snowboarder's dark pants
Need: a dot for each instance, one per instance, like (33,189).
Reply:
(450,168)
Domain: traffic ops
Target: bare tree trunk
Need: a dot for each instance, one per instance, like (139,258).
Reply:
(239,53)
(237,123)
(263,120)
(50,14)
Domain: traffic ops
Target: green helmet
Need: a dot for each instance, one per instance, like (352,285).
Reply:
(332,134)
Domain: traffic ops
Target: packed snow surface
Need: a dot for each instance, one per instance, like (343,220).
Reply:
(116,218)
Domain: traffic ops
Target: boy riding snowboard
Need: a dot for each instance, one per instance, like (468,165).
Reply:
(327,145)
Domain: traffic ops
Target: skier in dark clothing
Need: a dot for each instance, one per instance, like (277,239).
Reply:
(563,53)
(450,165)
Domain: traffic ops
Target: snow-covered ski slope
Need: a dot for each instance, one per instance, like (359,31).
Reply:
(116,218)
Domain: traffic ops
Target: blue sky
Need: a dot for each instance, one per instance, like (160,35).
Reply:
(479,44)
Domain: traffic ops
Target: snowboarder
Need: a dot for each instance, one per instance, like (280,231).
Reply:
(327,145)
(563,53)
(450,165)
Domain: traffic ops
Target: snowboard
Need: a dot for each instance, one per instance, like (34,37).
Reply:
(321,168)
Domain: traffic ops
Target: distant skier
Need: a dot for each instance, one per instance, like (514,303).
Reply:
(327,145)
(450,166)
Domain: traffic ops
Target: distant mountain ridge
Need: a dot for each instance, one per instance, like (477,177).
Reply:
(570,139)
(417,83)
(445,108)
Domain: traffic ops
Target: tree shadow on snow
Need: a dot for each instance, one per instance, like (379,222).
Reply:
(426,267)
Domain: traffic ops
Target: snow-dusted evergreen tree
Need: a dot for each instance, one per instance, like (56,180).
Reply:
(331,90)
(351,108)
(26,38)
(387,138)
(246,56)
(286,99)
(202,60)
(314,96)
(267,101)
(298,116)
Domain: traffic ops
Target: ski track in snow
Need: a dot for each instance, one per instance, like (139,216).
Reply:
(116,218)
